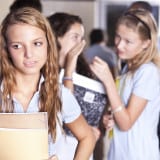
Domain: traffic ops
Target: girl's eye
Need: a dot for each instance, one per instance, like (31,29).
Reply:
(17,46)
(74,37)
(38,43)
(128,41)
(117,36)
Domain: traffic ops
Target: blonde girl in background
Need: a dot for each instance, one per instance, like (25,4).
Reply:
(136,106)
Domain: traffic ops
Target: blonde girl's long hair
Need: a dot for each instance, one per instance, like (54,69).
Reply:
(49,92)
(143,23)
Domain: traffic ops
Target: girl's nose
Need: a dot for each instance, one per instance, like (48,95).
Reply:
(28,52)
(120,45)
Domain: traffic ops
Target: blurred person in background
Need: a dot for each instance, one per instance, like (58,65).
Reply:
(98,47)
(26,3)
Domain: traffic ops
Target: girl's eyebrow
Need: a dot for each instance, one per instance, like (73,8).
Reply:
(39,38)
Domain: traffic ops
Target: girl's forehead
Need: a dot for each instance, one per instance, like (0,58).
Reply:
(24,32)
(25,28)
(127,31)
(76,27)
(126,28)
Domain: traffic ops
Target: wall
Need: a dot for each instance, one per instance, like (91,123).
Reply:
(103,12)
(4,8)
(86,9)
(92,12)
(110,10)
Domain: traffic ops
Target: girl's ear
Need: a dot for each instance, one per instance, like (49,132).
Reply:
(146,43)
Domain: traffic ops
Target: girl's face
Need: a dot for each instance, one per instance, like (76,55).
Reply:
(128,42)
(27,46)
(70,40)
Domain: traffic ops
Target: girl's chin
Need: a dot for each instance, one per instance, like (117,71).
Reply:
(122,57)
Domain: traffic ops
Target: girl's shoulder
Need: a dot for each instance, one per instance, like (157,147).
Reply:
(147,71)
(70,107)
(149,64)
(148,67)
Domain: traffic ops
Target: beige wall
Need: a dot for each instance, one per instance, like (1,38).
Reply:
(4,8)
(92,12)
(86,10)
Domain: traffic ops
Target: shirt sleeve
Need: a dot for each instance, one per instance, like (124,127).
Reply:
(70,107)
(146,81)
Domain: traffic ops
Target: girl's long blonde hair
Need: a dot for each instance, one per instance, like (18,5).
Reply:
(49,92)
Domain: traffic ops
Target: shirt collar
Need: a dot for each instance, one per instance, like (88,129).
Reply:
(39,85)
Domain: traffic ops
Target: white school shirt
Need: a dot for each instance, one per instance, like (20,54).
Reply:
(141,141)
(70,112)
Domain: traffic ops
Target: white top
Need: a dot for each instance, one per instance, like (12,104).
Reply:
(141,141)
(70,111)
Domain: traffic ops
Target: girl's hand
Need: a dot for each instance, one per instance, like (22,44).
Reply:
(101,69)
(53,158)
(108,122)
(96,132)
(72,56)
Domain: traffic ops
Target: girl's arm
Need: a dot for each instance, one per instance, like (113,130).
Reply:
(86,139)
(70,65)
(125,116)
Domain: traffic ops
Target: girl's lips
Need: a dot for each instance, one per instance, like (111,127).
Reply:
(119,52)
(30,63)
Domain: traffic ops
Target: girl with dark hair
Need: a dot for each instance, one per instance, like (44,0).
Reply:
(69,32)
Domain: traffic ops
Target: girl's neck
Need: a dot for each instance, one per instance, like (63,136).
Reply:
(25,88)
(29,82)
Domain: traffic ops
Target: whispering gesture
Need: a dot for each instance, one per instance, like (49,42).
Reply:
(71,59)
